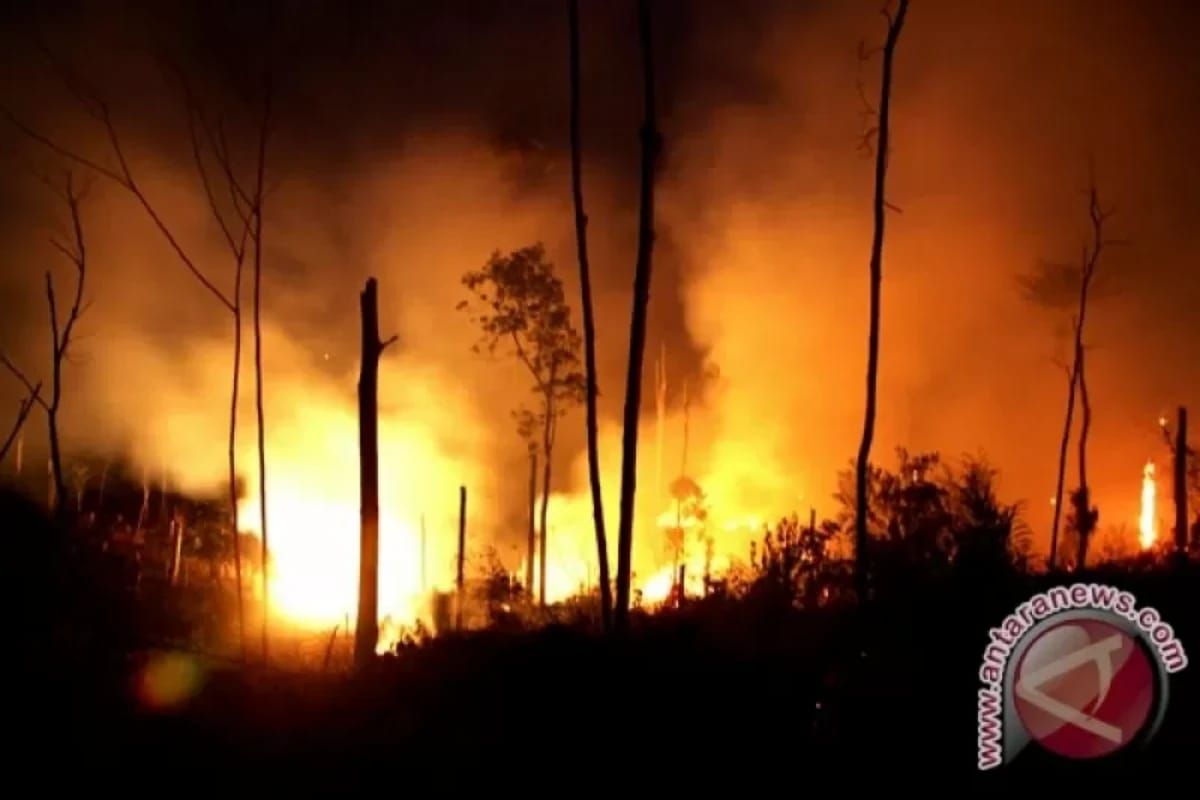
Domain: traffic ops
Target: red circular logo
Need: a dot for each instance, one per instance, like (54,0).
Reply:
(1084,688)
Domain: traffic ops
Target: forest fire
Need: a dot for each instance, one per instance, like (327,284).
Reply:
(398,384)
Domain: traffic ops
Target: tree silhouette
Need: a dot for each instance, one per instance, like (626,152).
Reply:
(793,566)
(589,324)
(881,134)
(522,305)
(926,516)
(366,632)
(61,330)
(1060,287)
(637,327)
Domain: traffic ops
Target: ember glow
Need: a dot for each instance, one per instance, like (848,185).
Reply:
(1147,522)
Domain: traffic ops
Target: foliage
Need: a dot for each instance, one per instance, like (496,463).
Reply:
(938,516)
(521,305)
(691,511)
(794,565)
(986,531)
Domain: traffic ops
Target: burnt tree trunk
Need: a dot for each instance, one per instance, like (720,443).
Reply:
(530,564)
(547,449)
(1073,380)
(589,327)
(462,554)
(637,328)
(177,527)
(258,369)
(366,632)
(1181,502)
(1085,515)
(61,341)
(876,270)
(232,454)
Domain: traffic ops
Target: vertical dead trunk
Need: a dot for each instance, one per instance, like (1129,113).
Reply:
(258,367)
(59,493)
(462,555)
(51,494)
(1072,382)
(547,449)
(1181,501)
(61,338)
(637,328)
(177,550)
(660,415)
(366,633)
(589,328)
(530,563)
(1085,515)
(232,454)
(880,214)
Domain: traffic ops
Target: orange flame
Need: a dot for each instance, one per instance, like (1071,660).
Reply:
(1146,522)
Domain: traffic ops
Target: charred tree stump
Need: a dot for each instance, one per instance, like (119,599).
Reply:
(366,633)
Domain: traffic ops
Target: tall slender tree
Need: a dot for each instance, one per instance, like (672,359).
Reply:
(1062,286)
(76,253)
(589,324)
(882,135)
(260,413)
(366,632)
(520,303)
(637,329)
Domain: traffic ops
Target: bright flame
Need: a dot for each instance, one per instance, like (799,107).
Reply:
(1146,522)
(313,516)
(700,529)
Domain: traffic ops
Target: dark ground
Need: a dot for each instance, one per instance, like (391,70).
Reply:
(724,692)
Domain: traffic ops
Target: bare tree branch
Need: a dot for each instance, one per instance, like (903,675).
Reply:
(59,149)
(79,259)
(198,159)
(96,108)
(30,387)
(22,413)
